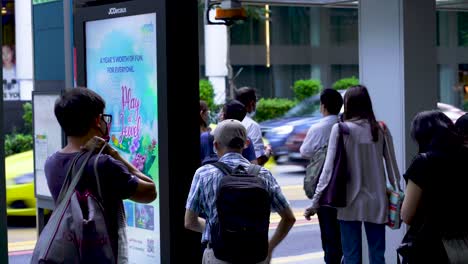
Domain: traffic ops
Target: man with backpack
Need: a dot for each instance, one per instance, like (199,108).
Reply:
(236,197)
(80,112)
(314,147)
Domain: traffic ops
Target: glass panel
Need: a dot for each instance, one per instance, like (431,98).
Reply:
(449,91)
(250,31)
(443,30)
(284,77)
(343,27)
(344,71)
(462,20)
(290,25)
(258,77)
(463,81)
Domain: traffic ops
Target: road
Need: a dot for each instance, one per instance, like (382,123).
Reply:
(301,246)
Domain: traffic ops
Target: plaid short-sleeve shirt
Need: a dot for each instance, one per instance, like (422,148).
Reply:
(202,196)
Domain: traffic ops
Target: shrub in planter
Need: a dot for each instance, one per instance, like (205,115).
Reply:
(306,88)
(17,143)
(207,93)
(272,108)
(345,83)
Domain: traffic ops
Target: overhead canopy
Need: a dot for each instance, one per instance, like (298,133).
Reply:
(461,5)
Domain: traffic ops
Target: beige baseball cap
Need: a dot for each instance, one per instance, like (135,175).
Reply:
(230,133)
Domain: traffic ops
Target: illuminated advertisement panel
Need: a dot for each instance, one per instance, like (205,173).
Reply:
(121,65)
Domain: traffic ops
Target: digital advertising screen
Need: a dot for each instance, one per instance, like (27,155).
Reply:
(121,65)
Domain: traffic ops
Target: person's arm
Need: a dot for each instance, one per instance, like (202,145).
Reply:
(310,144)
(146,189)
(327,171)
(193,222)
(286,223)
(265,157)
(411,202)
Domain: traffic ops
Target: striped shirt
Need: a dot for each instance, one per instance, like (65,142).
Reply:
(202,197)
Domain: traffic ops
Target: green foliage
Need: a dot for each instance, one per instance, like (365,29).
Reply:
(465,105)
(27,117)
(17,143)
(345,83)
(306,88)
(207,93)
(272,108)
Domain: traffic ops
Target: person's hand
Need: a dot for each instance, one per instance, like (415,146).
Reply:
(309,212)
(268,150)
(95,144)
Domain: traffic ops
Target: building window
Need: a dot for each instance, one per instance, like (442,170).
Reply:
(256,76)
(290,25)
(343,27)
(249,32)
(344,71)
(462,20)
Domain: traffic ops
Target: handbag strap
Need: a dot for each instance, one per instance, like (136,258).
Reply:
(73,177)
(121,218)
(67,191)
(96,173)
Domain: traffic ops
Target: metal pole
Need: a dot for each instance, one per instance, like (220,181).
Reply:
(68,45)
(3,205)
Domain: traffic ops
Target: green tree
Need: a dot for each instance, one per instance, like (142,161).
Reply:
(207,93)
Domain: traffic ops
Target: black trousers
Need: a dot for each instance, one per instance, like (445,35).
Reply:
(330,233)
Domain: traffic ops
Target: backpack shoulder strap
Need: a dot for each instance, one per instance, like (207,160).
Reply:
(223,167)
(254,169)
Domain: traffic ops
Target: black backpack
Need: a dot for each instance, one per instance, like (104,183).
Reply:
(240,235)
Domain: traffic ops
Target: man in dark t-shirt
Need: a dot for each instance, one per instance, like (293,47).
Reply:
(80,113)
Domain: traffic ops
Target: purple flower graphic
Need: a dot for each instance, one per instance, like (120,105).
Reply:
(135,145)
(139,161)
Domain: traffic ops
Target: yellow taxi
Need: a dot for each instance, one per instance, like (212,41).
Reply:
(19,172)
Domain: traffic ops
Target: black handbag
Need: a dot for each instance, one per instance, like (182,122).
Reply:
(334,194)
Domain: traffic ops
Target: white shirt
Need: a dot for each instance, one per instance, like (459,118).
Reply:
(255,134)
(318,136)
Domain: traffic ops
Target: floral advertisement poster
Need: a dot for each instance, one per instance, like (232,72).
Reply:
(121,66)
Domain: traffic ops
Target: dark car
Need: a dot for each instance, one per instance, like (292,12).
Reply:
(287,133)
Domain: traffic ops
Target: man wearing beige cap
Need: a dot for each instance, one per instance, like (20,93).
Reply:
(215,184)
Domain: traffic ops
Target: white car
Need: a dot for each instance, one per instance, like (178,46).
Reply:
(451,111)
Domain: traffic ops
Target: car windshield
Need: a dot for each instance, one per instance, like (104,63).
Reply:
(308,107)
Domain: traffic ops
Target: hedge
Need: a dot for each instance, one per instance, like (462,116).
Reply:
(272,108)
(345,83)
(306,88)
(207,93)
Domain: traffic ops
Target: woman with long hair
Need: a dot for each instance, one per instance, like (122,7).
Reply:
(436,195)
(367,144)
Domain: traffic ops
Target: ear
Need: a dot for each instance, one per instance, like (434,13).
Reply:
(97,121)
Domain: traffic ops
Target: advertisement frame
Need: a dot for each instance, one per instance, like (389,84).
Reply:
(126,9)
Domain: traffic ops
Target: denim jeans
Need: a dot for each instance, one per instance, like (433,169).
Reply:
(330,234)
(351,239)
